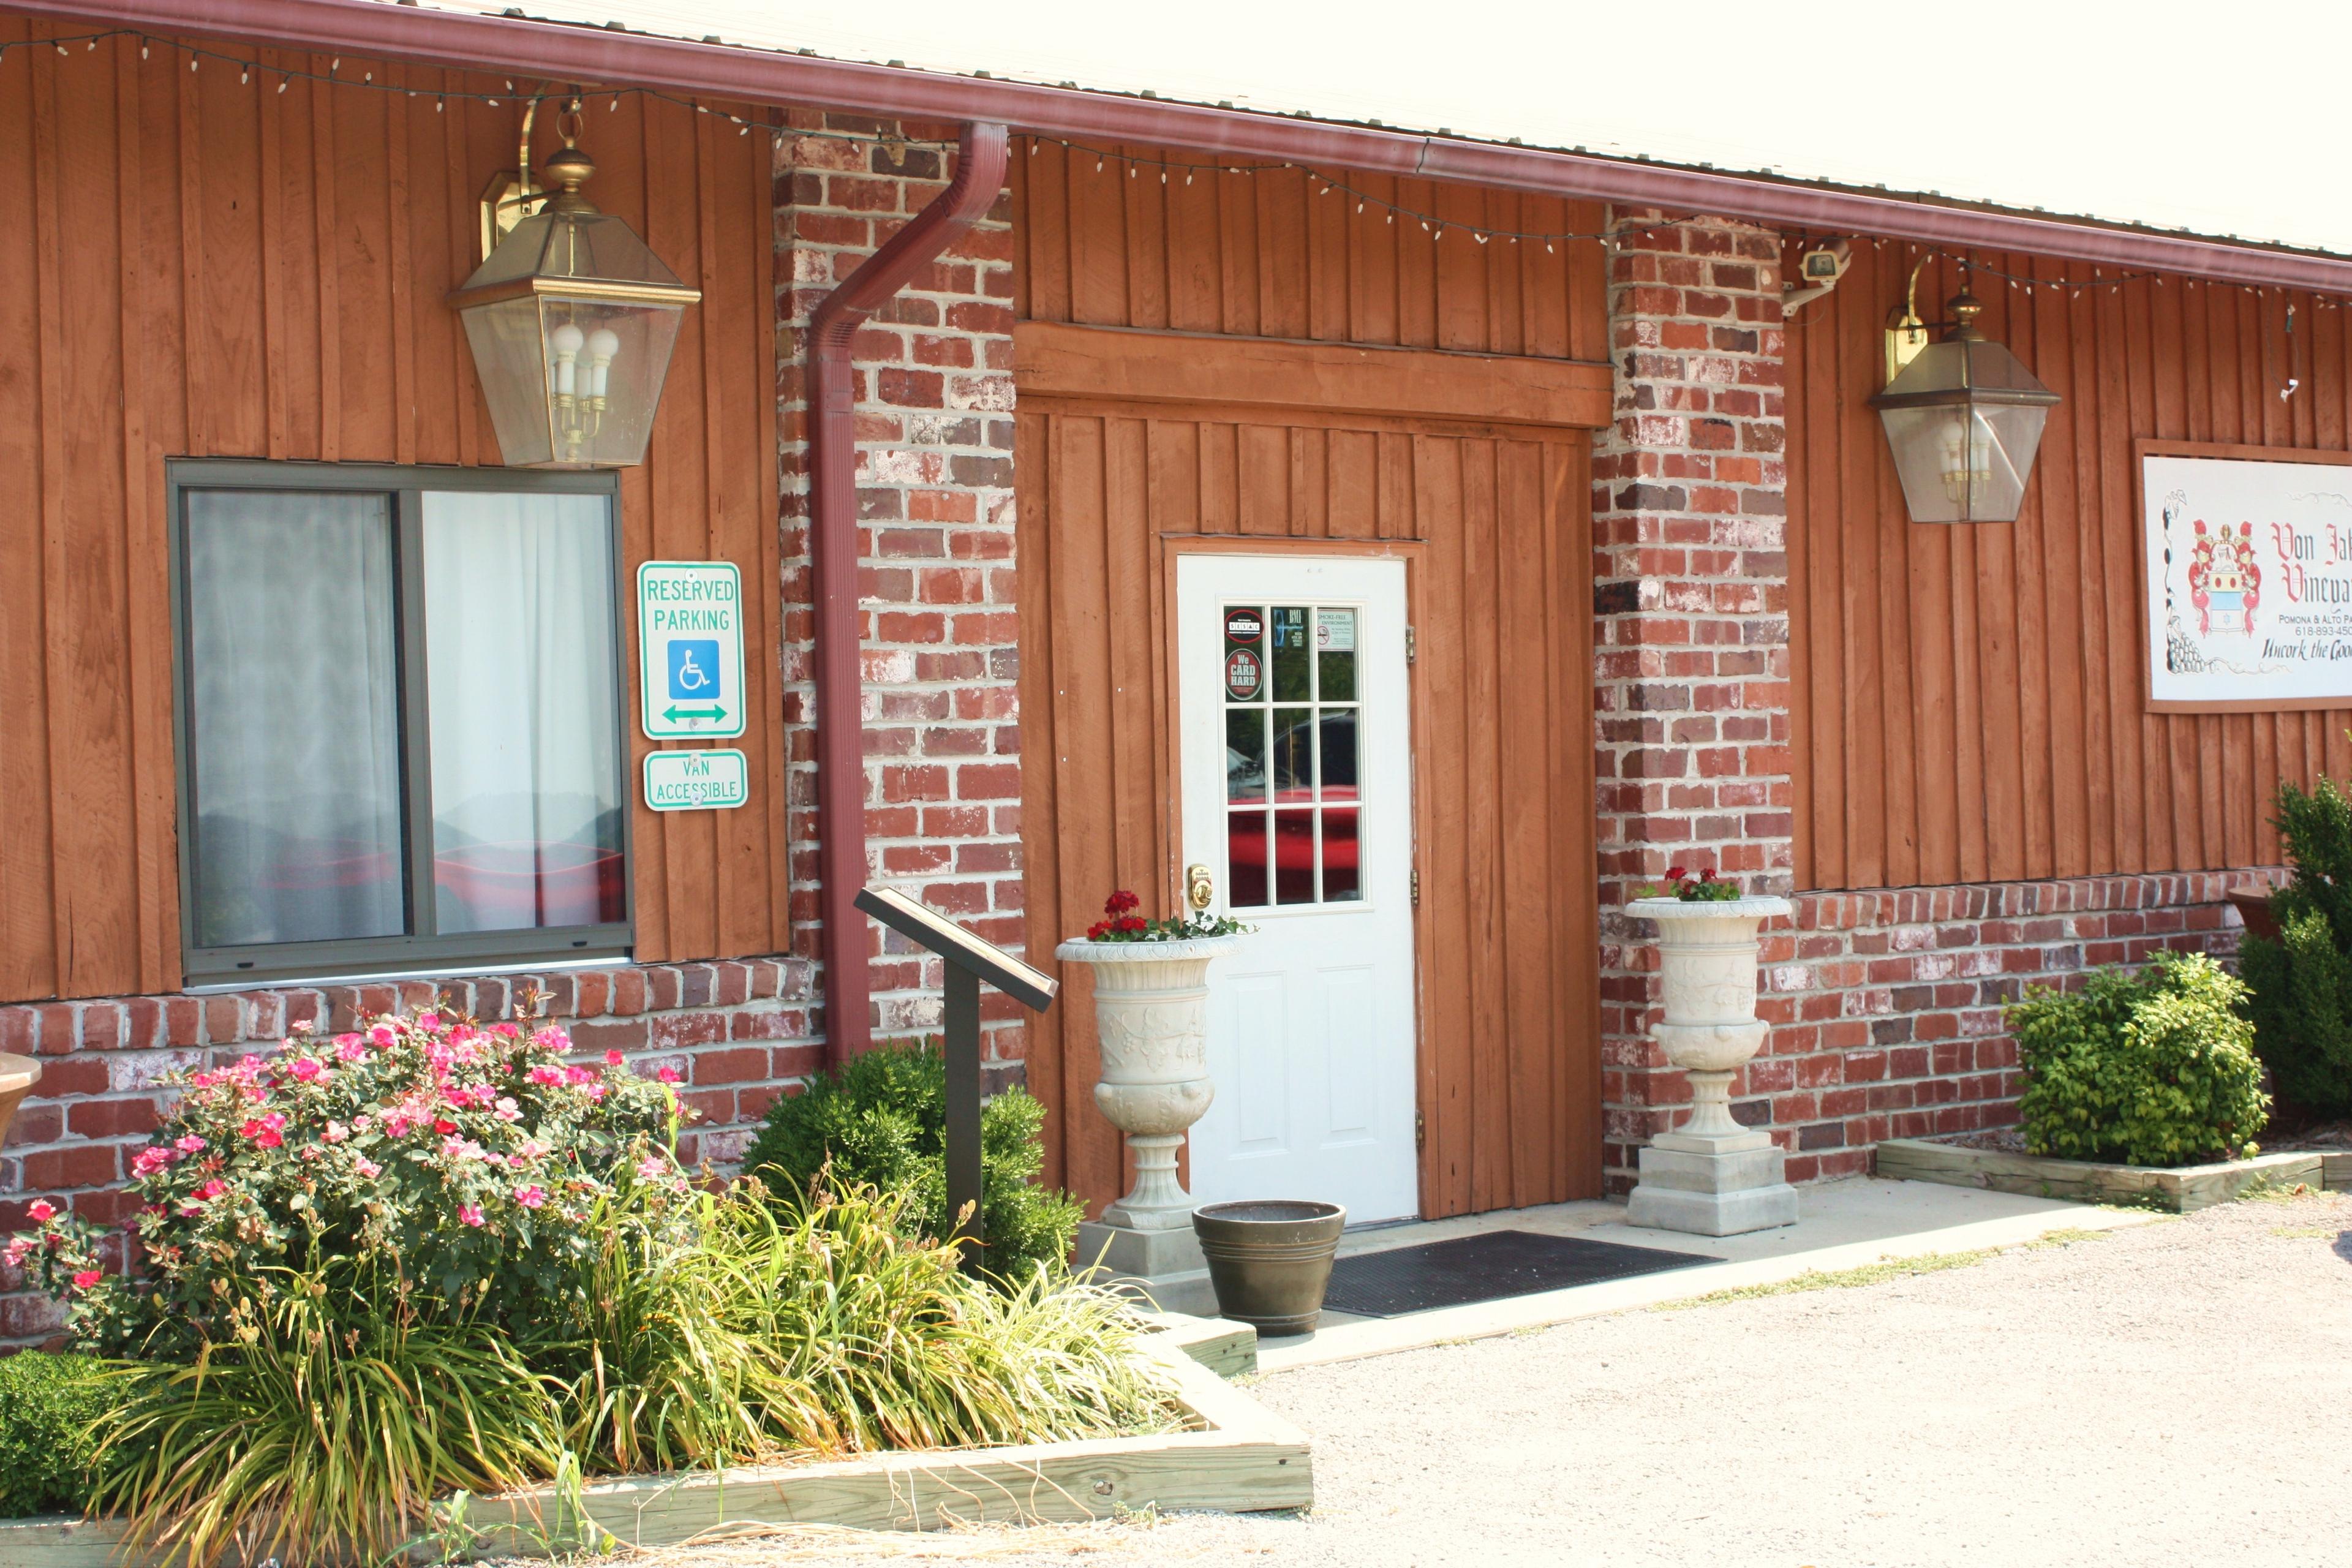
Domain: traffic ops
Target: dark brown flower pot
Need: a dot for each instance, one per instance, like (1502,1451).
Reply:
(1270,1259)
(2253,905)
(17,1076)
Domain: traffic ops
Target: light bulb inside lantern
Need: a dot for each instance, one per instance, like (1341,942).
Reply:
(603,344)
(565,340)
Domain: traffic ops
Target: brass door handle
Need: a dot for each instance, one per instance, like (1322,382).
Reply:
(1200,890)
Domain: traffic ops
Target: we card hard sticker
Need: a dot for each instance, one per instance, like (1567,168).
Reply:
(1244,673)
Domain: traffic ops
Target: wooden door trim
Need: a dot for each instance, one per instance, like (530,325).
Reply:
(1414,553)
(1127,365)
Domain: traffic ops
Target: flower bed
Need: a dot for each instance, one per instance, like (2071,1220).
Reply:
(427,1258)
(1231,1455)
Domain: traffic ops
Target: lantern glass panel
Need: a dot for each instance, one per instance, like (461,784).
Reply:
(505,337)
(601,403)
(1964,462)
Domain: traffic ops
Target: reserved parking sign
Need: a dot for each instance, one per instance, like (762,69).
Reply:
(690,649)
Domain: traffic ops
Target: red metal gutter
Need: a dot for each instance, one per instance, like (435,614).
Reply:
(755,75)
(833,541)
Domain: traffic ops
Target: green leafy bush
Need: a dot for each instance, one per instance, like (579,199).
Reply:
(881,1118)
(2152,1069)
(2302,983)
(50,1407)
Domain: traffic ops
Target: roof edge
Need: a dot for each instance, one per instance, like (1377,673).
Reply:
(615,57)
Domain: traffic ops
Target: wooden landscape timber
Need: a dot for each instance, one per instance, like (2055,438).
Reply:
(1234,1456)
(2183,1189)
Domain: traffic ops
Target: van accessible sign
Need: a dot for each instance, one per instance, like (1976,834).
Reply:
(697,781)
(2247,563)
(690,649)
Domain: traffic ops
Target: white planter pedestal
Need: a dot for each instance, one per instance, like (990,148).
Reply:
(1151,1017)
(1710,1176)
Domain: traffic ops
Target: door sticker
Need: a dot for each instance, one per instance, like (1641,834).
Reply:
(1244,675)
(1244,625)
(1335,631)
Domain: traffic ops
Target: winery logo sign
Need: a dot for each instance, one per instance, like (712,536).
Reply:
(2247,558)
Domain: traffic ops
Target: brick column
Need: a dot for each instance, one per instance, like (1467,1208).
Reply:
(1691,618)
(934,387)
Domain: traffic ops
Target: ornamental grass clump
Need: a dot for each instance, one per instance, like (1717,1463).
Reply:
(2152,1069)
(322,1426)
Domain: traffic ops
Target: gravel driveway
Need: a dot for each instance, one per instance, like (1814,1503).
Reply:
(2174,1393)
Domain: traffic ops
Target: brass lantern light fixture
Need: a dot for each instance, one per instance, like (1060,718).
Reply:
(572,319)
(1963,416)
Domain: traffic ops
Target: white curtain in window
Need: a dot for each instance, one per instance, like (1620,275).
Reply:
(526,723)
(294,698)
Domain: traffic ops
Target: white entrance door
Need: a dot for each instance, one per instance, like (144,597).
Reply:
(1297,796)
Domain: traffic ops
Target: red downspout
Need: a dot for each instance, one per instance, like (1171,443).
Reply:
(833,541)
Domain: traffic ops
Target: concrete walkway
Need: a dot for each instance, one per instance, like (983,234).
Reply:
(2168,1393)
(1842,1224)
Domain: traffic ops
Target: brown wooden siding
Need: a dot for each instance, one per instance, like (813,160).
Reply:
(192,266)
(1264,254)
(1493,525)
(1969,699)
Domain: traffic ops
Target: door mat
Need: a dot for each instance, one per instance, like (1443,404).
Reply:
(1487,1267)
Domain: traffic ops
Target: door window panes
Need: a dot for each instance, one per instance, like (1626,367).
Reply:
(401,723)
(1245,755)
(1292,744)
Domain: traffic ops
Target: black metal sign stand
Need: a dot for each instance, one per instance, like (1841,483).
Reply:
(970,960)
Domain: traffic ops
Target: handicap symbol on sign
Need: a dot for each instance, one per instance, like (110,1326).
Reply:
(694,666)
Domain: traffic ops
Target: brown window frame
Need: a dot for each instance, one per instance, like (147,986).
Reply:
(422,950)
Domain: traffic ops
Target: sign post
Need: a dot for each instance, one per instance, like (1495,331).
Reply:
(970,960)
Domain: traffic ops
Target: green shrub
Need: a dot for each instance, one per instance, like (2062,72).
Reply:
(49,1406)
(2153,1069)
(881,1118)
(2302,983)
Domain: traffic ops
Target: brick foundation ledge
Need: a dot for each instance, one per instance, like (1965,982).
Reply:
(1886,1006)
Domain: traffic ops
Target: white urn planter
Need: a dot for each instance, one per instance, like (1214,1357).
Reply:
(1710,1176)
(1151,1018)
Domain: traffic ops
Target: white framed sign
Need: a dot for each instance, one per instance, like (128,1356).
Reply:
(2246,567)
(690,649)
(697,781)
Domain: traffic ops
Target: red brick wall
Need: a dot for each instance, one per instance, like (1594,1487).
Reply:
(935,504)
(1691,613)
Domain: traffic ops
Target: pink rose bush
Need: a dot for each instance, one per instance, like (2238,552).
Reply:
(466,1158)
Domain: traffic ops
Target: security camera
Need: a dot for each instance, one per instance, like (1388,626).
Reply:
(1820,268)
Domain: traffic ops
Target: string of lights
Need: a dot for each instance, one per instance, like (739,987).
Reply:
(2101,277)
(251,69)
(1338,184)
